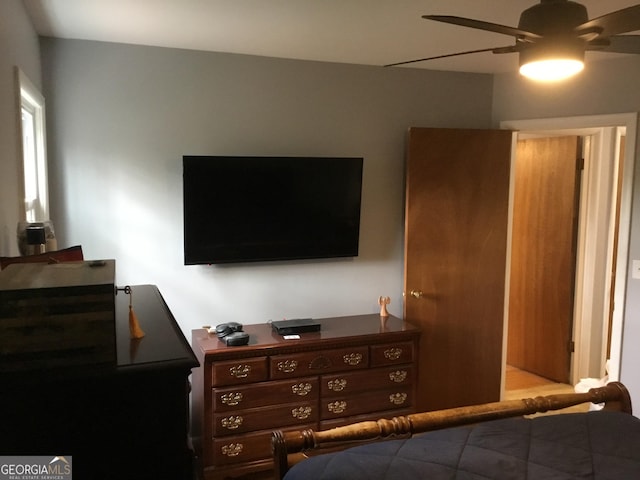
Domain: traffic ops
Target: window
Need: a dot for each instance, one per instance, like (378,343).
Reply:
(34,158)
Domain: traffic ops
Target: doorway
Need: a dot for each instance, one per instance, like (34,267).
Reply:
(459,207)
(600,267)
(544,231)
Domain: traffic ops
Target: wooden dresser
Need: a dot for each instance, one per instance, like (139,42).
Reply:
(356,368)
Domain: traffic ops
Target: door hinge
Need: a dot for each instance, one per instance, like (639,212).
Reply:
(572,346)
(580,165)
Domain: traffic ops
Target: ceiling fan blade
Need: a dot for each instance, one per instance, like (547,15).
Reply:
(509,49)
(614,23)
(487,26)
(618,44)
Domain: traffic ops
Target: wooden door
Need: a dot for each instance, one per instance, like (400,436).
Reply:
(543,255)
(455,258)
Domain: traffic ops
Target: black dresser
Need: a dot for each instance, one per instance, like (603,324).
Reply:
(124,421)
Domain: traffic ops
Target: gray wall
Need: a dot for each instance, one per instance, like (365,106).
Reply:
(611,86)
(604,87)
(121,117)
(18,47)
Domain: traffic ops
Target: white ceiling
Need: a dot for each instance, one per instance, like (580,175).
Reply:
(368,32)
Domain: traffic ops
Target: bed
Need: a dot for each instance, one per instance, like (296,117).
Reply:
(499,441)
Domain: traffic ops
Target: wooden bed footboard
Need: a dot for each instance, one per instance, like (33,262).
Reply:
(291,447)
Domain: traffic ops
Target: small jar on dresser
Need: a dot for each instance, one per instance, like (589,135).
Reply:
(356,368)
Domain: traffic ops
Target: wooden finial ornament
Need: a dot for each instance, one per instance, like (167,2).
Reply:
(383,302)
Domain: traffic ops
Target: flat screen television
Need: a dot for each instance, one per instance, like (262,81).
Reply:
(256,209)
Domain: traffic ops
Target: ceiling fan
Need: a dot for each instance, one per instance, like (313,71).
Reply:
(555,33)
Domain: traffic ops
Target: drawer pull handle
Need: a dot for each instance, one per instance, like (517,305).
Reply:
(393,353)
(301,413)
(398,376)
(288,366)
(352,359)
(337,407)
(337,385)
(301,389)
(231,399)
(398,398)
(240,371)
(232,450)
(233,422)
(320,363)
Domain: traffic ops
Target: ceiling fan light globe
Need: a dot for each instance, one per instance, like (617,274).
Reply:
(552,70)
(554,59)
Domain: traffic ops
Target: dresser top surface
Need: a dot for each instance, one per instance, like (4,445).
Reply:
(334,329)
(163,343)
(163,346)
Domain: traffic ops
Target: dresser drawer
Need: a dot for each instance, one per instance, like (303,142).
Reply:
(231,423)
(247,370)
(378,400)
(244,448)
(322,361)
(392,353)
(265,393)
(356,382)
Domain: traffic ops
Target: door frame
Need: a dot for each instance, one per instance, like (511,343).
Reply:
(592,292)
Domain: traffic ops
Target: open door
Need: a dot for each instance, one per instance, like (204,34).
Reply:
(456,229)
(543,255)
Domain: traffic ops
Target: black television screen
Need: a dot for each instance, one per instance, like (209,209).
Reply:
(254,209)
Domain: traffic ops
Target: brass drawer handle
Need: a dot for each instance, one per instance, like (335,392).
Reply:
(337,385)
(240,371)
(352,358)
(392,353)
(233,422)
(232,450)
(320,363)
(398,376)
(398,398)
(301,413)
(301,389)
(337,407)
(288,366)
(231,399)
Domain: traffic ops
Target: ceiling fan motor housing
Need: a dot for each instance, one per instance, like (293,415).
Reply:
(551,17)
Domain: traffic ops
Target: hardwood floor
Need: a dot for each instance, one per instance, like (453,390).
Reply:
(522,384)
(517,379)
